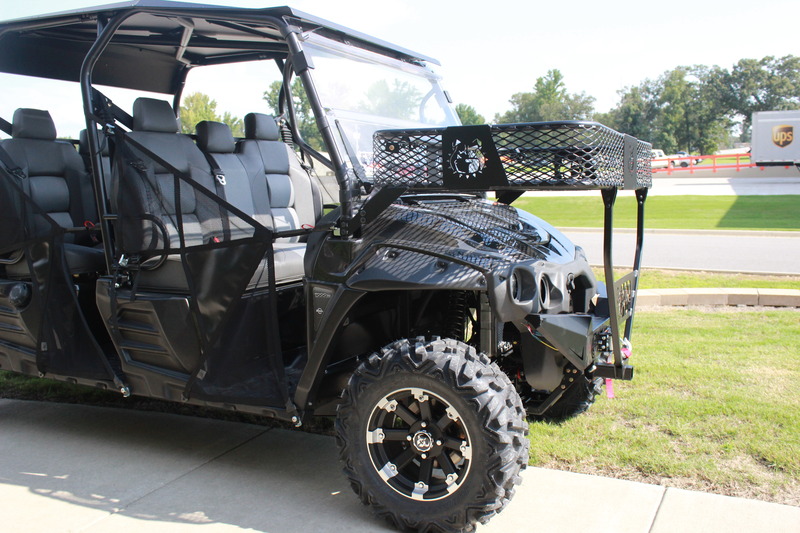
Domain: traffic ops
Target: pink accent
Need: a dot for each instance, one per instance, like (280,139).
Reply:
(609,388)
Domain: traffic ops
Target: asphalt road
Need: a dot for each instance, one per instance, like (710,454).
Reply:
(736,251)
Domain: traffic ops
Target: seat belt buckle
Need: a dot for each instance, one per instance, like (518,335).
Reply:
(220,177)
(90,227)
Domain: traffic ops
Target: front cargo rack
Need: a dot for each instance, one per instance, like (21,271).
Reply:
(513,158)
(539,155)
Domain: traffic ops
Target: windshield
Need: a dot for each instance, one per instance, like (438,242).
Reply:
(362,92)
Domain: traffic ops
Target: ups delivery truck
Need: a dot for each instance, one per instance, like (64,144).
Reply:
(775,139)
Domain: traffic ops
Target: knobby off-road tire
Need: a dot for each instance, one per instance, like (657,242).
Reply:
(432,435)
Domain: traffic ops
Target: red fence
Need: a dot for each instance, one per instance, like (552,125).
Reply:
(693,163)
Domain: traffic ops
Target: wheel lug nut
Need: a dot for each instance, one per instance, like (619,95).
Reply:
(424,424)
(424,455)
(408,437)
(438,443)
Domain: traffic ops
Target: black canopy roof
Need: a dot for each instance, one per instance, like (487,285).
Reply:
(160,39)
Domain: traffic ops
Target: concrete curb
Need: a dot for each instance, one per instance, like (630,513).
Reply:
(718,297)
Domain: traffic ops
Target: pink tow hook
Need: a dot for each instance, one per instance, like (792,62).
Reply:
(626,354)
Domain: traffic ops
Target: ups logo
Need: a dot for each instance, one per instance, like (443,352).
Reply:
(782,135)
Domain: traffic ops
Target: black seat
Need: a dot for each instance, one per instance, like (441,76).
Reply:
(156,129)
(247,189)
(294,197)
(140,202)
(57,181)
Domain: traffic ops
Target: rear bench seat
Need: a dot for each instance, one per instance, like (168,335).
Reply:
(246,189)
(295,199)
(57,181)
(156,128)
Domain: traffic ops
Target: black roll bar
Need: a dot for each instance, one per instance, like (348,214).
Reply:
(105,31)
(301,64)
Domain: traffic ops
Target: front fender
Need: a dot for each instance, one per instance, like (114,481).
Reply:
(391,268)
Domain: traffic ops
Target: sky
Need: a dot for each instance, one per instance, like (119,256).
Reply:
(492,50)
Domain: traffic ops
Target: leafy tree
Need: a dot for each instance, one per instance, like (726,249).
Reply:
(709,118)
(548,101)
(681,110)
(197,107)
(306,123)
(697,108)
(634,114)
(468,115)
(401,100)
(766,84)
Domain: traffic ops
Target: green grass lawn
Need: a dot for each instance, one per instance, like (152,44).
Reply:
(714,406)
(729,160)
(673,212)
(681,279)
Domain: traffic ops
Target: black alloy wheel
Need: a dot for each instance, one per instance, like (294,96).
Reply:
(418,444)
(432,435)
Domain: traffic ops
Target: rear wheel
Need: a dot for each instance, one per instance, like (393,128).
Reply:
(432,435)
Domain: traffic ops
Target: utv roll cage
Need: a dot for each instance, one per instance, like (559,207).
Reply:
(154,61)
(429,320)
(155,43)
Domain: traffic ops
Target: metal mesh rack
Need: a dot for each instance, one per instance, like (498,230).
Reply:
(543,155)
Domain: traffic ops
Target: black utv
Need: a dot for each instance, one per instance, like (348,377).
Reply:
(210,269)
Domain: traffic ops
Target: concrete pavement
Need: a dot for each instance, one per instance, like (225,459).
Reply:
(74,468)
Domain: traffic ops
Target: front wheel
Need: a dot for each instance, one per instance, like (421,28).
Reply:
(432,435)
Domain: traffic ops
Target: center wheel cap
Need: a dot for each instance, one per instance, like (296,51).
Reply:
(422,441)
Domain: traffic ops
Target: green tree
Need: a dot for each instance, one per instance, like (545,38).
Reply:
(400,100)
(683,109)
(306,123)
(548,101)
(634,114)
(709,115)
(197,107)
(468,115)
(697,108)
(767,84)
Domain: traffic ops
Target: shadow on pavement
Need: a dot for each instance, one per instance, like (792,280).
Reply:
(69,467)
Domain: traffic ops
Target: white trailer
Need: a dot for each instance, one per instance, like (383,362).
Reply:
(775,138)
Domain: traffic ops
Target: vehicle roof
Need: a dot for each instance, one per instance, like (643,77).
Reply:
(161,39)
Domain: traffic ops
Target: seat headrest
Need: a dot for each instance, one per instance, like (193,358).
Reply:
(261,126)
(33,124)
(215,137)
(150,114)
(83,144)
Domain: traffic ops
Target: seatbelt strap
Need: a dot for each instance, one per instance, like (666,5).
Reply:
(13,168)
(109,111)
(5,126)
(219,185)
(219,175)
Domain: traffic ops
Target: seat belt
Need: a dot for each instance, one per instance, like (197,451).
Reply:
(219,185)
(5,126)
(12,168)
